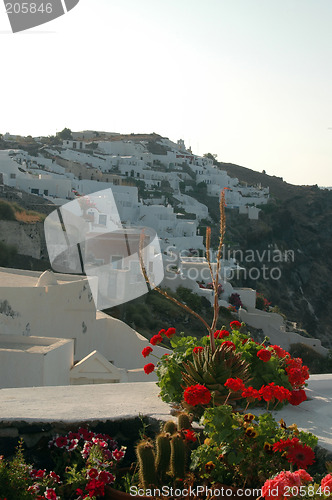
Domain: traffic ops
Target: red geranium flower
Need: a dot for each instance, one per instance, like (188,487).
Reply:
(197,395)
(281,353)
(156,339)
(197,349)
(264,355)
(149,368)
(146,351)
(162,331)
(228,343)
(170,332)
(190,435)
(220,334)
(267,392)
(234,384)
(251,394)
(297,397)
(235,324)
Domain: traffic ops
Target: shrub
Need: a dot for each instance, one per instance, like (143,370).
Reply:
(6,211)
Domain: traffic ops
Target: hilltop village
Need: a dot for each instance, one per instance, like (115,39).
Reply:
(56,318)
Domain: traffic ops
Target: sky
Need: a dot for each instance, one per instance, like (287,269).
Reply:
(248,80)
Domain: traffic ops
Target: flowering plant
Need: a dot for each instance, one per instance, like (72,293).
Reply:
(269,373)
(298,484)
(243,449)
(84,464)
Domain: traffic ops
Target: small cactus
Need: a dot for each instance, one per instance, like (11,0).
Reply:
(166,457)
(163,455)
(170,427)
(178,456)
(184,422)
(146,460)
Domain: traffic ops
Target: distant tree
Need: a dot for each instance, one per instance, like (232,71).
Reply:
(211,157)
(65,134)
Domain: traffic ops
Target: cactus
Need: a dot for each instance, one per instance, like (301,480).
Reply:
(178,457)
(166,457)
(170,427)
(163,455)
(146,460)
(183,422)
(212,369)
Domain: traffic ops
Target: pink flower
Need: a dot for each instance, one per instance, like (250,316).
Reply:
(303,475)
(146,351)
(327,482)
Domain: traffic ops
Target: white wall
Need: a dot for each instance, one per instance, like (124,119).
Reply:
(34,361)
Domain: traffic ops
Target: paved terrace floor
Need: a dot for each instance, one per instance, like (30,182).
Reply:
(103,402)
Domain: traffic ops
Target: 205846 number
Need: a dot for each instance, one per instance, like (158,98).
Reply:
(291,491)
(28,8)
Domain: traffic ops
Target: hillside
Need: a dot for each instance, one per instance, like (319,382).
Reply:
(297,219)
(278,187)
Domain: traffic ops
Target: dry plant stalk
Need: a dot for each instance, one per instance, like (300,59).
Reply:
(215,279)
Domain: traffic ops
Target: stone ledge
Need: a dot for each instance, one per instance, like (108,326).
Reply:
(35,410)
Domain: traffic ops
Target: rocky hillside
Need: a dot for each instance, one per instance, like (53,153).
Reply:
(298,220)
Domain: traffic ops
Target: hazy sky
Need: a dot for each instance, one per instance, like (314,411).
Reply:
(249,80)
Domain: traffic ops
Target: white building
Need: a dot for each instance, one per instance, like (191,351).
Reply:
(36,308)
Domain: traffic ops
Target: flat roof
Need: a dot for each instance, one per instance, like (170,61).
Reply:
(23,278)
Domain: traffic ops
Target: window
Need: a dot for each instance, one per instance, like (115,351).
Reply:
(13,176)
(102,219)
(116,262)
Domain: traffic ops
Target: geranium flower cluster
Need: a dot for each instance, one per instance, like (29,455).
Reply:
(297,372)
(275,377)
(197,395)
(155,340)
